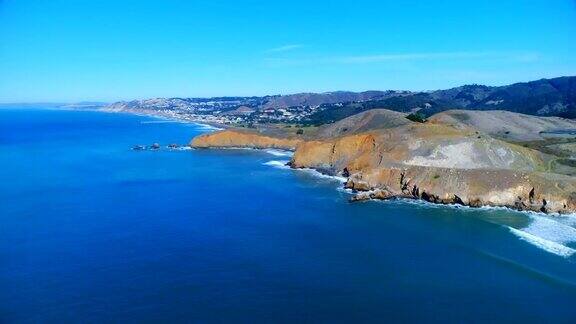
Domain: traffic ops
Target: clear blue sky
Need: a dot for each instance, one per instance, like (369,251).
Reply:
(60,50)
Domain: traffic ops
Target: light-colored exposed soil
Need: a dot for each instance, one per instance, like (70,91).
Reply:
(504,124)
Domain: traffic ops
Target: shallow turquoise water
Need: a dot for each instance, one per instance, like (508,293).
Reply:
(91,231)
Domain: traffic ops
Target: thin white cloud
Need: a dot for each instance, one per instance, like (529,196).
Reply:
(284,48)
(407,57)
(438,56)
(411,57)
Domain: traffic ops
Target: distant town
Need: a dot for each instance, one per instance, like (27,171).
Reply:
(225,110)
(545,97)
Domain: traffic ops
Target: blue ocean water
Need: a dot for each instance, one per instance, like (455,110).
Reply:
(91,231)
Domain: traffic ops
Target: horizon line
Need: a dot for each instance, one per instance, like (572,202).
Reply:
(58,102)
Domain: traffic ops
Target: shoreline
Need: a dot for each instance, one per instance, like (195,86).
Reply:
(324,174)
(414,200)
(402,198)
(548,244)
(373,195)
(213,125)
(551,244)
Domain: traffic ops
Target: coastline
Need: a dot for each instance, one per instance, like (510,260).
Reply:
(167,117)
(320,173)
(526,234)
(547,231)
(405,198)
(176,207)
(363,191)
(354,162)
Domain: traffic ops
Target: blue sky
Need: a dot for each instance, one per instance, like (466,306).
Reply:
(62,51)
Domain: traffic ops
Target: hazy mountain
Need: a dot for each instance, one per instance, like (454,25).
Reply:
(316,99)
(546,97)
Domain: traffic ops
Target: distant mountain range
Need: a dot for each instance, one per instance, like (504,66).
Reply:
(545,97)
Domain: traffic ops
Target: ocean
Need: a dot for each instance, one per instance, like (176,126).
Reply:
(93,231)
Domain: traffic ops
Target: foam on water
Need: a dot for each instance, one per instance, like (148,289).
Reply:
(282,165)
(546,245)
(550,229)
(277,164)
(550,233)
(322,175)
(277,152)
(346,190)
(547,232)
(568,220)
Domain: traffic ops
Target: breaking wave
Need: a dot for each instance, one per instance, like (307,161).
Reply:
(552,233)
(322,175)
(278,164)
(181,148)
(551,229)
(277,152)
(544,244)
(282,165)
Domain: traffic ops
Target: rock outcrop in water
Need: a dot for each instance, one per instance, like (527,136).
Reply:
(434,162)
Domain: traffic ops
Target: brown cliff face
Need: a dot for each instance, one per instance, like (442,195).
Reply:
(474,187)
(417,145)
(436,163)
(442,165)
(229,138)
(353,152)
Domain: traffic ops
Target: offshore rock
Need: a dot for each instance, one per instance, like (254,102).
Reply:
(380,194)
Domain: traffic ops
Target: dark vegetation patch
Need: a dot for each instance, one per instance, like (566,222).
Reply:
(547,97)
(416,117)
(567,162)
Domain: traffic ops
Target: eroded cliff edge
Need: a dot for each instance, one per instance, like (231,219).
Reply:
(435,162)
(243,139)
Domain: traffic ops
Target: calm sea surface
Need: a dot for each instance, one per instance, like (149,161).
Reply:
(91,231)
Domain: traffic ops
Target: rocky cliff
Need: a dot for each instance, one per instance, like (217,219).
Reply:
(229,138)
(436,162)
